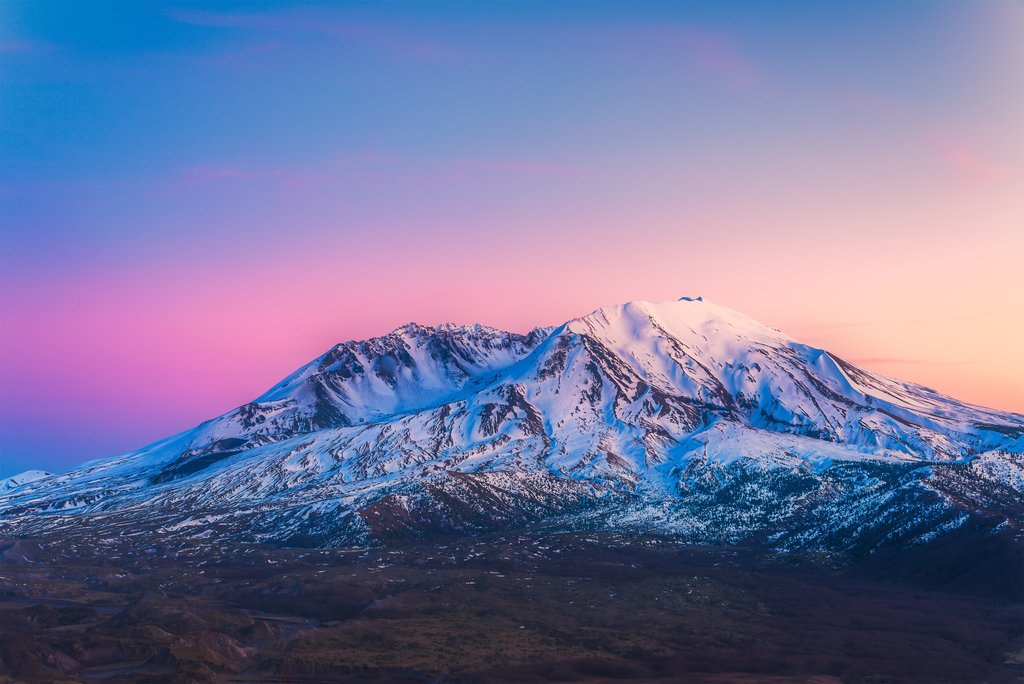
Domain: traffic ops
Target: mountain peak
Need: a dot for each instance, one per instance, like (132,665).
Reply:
(688,318)
(413,329)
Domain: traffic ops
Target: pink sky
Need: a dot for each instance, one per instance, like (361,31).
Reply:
(281,181)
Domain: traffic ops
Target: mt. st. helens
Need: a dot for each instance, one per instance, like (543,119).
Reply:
(682,416)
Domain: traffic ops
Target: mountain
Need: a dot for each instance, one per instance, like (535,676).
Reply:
(22,478)
(682,417)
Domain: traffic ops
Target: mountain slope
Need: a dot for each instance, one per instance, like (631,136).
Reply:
(682,416)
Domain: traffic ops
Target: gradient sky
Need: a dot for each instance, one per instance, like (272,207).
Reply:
(195,199)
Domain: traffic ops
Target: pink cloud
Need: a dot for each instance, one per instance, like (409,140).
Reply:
(962,159)
(967,163)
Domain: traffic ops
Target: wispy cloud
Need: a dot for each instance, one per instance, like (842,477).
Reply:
(825,326)
(351,171)
(229,57)
(870,104)
(357,170)
(718,56)
(900,361)
(384,38)
(295,180)
(530,168)
(221,19)
(373,158)
(197,175)
(952,152)
(712,54)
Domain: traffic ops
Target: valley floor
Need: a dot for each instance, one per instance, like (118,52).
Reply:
(511,608)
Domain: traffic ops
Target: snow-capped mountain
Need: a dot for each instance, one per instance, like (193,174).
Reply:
(682,416)
(22,479)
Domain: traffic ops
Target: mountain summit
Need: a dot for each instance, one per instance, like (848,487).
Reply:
(681,416)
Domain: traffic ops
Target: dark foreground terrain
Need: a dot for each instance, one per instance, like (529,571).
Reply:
(567,608)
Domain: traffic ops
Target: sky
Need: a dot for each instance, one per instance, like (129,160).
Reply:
(196,199)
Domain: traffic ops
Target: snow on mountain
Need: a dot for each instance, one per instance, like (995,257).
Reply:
(412,367)
(22,479)
(682,415)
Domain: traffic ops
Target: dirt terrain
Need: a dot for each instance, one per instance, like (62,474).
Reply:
(510,608)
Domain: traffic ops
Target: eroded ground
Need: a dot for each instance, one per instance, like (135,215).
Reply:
(574,608)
